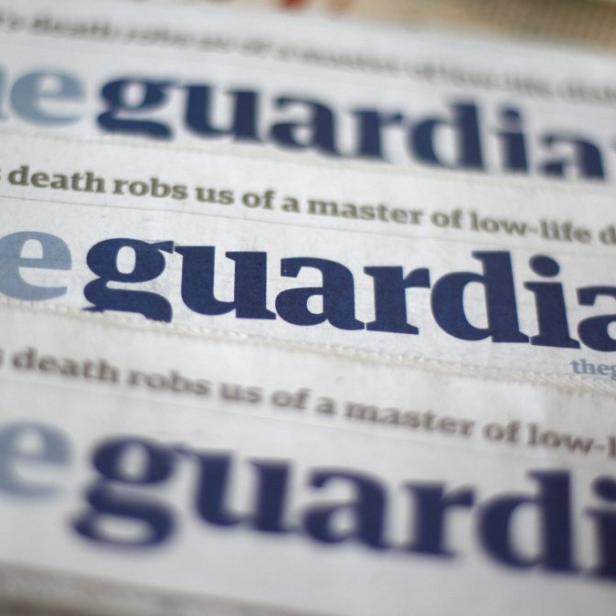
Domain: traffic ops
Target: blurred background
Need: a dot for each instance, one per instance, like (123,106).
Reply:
(591,23)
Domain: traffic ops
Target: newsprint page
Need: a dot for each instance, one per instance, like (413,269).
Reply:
(302,317)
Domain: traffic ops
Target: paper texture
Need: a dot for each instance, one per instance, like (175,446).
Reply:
(302,317)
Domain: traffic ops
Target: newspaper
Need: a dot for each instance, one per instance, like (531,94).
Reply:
(302,317)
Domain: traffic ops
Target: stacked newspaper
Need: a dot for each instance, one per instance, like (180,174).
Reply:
(302,317)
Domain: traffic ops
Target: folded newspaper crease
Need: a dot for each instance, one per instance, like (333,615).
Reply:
(302,317)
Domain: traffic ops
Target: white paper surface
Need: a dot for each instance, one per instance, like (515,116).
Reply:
(303,427)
